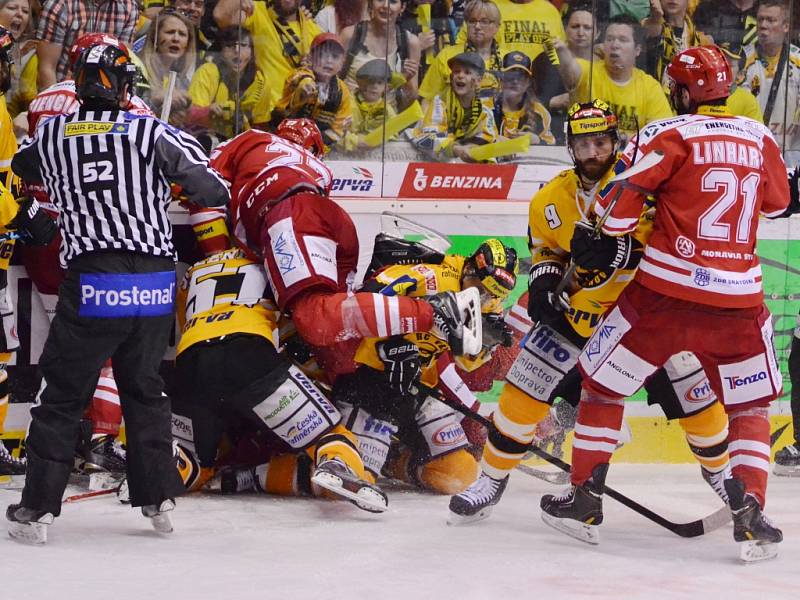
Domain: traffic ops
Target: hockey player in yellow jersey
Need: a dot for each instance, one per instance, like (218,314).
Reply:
(24,216)
(228,363)
(564,321)
(391,400)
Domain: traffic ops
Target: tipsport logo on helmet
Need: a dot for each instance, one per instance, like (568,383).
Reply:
(127,294)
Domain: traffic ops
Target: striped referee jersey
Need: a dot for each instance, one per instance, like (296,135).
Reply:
(109,172)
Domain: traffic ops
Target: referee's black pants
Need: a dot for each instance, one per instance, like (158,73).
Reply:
(75,350)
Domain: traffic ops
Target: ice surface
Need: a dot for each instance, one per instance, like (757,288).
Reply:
(262,547)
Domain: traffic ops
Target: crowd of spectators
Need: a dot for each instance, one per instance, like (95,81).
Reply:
(442,75)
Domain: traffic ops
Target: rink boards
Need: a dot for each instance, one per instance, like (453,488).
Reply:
(466,223)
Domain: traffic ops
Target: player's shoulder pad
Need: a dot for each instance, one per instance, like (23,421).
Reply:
(558,184)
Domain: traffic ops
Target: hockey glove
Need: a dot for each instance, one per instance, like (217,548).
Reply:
(34,225)
(603,251)
(401,364)
(496,332)
(544,305)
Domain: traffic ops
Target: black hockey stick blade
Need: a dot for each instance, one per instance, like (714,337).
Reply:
(692,529)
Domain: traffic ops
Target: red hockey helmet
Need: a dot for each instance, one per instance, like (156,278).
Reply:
(303,132)
(704,71)
(93,39)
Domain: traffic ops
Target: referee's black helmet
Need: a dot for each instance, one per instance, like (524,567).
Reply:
(103,75)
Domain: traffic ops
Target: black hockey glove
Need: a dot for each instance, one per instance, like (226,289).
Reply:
(401,364)
(794,193)
(496,332)
(543,303)
(34,225)
(604,251)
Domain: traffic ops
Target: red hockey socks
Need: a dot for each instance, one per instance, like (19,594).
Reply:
(597,432)
(748,444)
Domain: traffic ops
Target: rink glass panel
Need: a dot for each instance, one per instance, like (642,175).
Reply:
(400,176)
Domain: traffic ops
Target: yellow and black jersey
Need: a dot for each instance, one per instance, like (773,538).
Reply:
(8,146)
(8,210)
(417,281)
(552,215)
(224,295)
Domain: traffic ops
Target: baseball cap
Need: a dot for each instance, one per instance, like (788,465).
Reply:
(470,59)
(517,60)
(324,38)
(375,70)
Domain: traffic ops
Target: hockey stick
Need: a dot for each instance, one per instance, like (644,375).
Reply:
(88,495)
(649,160)
(692,529)
(166,107)
(439,241)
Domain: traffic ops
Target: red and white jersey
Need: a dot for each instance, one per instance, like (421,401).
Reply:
(717,174)
(261,168)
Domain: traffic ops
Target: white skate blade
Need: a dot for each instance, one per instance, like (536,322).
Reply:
(365,498)
(754,551)
(161,523)
(589,534)
(103,480)
(34,533)
(786,471)
(457,520)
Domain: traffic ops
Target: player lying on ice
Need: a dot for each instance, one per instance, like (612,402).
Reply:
(280,212)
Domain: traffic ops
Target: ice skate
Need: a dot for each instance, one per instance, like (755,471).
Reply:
(238,480)
(717,481)
(759,538)
(159,515)
(476,502)
(336,477)
(578,510)
(103,453)
(27,525)
(787,461)
(11,467)
(456,319)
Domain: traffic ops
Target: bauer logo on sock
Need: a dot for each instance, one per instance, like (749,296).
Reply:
(127,294)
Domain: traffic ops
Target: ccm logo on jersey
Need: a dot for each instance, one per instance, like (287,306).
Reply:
(127,294)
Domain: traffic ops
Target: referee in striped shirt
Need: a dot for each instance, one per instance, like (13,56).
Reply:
(109,173)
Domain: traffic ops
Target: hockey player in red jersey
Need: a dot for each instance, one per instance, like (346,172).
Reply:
(97,447)
(281,212)
(698,288)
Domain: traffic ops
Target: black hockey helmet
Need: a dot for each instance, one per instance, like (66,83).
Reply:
(587,119)
(103,73)
(496,265)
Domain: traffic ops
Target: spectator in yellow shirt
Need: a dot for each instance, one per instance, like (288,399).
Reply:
(525,25)
(741,101)
(214,88)
(634,96)
(370,110)
(15,17)
(517,111)
(281,32)
(457,120)
(482,19)
(316,92)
